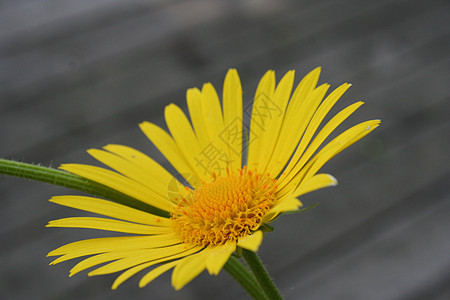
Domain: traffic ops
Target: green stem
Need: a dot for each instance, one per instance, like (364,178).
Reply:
(75,182)
(261,274)
(245,278)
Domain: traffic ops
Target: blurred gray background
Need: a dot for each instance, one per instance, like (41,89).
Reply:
(76,75)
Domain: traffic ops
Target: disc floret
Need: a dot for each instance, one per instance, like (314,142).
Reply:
(225,209)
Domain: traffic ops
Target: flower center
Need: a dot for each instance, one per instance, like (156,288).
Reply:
(224,209)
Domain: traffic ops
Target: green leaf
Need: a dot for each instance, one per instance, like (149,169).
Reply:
(266,227)
(300,210)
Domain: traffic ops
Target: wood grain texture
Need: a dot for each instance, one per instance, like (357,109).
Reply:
(76,75)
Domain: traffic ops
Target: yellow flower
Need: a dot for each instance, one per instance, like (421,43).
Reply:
(233,179)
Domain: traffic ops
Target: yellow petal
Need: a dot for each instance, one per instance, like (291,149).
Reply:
(218,256)
(300,159)
(323,110)
(125,259)
(135,258)
(317,119)
(212,112)
(111,209)
(183,135)
(180,129)
(289,203)
(150,276)
(251,242)
(306,85)
(274,110)
(314,183)
(123,166)
(187,269)
(194,102)
(213,155)
(94,261)
(161,180)
(132,271)
(300,109)
(232,115)
(214,158)
(343,141)
(258,124)
(102,245)
(293,130)
(120,183)
(170,150)
(108,225)
(143,161)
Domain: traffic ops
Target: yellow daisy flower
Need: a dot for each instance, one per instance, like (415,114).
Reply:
(233,179)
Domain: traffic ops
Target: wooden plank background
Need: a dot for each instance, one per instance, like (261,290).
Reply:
(76,75)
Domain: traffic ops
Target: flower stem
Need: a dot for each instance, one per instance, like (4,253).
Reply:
(261,274)
(245,278)
(75,182)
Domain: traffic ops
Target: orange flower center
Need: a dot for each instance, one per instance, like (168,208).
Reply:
(225,209)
